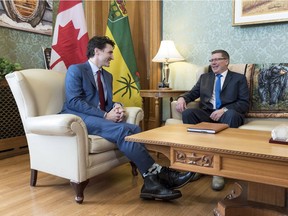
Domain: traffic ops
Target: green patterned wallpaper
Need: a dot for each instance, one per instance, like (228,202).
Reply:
(196,26)
(200,26)
(23,47)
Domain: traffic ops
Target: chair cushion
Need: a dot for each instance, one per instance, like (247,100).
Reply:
(173,121)
(98,144)
(261,125)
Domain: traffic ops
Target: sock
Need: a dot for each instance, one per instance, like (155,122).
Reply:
(154,169)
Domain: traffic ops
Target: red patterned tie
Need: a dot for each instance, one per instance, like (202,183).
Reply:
(101,91)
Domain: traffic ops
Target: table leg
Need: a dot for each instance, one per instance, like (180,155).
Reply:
(255,199)
(171,100)
(157,116)
(143,120)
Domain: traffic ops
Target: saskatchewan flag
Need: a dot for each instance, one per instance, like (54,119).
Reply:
(123,68)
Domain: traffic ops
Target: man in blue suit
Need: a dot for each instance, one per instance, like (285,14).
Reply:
(228,105)
(85,83)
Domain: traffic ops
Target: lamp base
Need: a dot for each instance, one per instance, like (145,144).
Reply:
(163,85)
(162,89)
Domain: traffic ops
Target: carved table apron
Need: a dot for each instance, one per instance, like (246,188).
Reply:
(234,153)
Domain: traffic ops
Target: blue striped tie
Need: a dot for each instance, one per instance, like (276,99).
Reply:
(217,91)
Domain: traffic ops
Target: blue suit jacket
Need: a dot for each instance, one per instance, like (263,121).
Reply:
(234,93)
(82,96)
(82,99)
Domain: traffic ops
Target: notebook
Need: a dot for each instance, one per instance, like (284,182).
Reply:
(207,127)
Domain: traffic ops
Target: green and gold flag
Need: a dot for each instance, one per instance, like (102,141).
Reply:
(123,68)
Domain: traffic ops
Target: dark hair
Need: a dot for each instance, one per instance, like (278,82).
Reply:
(223,52)
(98,42)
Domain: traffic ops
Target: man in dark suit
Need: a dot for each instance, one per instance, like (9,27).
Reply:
(84,85)
(224,98)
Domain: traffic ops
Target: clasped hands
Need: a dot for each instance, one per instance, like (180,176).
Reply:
(117,114)
(181,106)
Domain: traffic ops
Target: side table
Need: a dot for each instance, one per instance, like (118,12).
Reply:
(160,93)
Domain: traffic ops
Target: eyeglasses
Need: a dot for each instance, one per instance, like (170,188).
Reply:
(216,59)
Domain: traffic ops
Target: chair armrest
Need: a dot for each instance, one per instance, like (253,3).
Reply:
(62,124)
(176,114)
(134,115)
(57,125)
(58,144)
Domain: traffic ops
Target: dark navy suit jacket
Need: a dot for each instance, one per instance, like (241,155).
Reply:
(234,93)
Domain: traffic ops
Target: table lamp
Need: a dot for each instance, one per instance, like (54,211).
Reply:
(166,54)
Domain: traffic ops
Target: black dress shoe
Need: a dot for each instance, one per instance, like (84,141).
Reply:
(152,189)
(173,179)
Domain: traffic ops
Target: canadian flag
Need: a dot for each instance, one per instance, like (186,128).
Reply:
(70,36)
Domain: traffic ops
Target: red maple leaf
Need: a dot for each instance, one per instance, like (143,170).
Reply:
(69,48)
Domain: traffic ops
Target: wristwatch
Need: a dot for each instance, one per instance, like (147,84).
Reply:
(225,109)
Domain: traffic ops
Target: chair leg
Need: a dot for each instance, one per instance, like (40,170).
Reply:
(79,189)
(33,177)
(134,168)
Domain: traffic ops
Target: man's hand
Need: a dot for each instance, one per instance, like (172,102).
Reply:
(181,105)
(216,115)
(119,109)
(117,114)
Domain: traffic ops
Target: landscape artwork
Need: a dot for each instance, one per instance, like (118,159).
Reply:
(247,12)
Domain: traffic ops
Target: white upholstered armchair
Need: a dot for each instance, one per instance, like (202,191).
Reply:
(59,143)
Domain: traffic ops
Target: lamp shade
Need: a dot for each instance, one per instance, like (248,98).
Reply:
(167,52)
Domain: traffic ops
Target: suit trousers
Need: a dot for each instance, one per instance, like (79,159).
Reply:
(230,117)
(116,133)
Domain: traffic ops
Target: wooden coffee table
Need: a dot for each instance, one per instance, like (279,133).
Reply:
(234,153)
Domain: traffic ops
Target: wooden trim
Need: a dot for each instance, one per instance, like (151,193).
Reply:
(156,36)
(96,14)
(154,72)
(13,146)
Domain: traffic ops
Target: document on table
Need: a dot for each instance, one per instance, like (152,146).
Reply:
(207,127)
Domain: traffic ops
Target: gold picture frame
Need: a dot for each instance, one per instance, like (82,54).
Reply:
(249,12)
(31,16)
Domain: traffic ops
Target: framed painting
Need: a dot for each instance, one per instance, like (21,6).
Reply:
(248,12)
(30,15)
